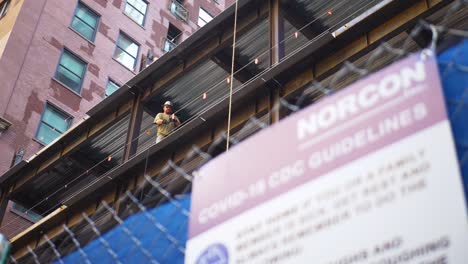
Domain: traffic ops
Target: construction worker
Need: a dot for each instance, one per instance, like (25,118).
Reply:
(166,121)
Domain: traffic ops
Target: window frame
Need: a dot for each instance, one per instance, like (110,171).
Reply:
(199,17)
(30,217)
(4,7)
(97,24)
(84,72)
(110,80)
(135,63)
(171,42)
(175,5)
(17,157)
(57,109)
(144,15)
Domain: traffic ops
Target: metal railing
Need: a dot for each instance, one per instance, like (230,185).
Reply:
(168,45)
(157,233)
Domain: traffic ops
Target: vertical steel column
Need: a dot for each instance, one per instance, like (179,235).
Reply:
(276,54)
(3,204)
(134,127)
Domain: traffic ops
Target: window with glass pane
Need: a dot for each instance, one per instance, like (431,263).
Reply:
(111,87)
(85,21)
(28,213)
(126,51)
(204,17)
(136,9)
(70,71)
(53,123)
(4,8)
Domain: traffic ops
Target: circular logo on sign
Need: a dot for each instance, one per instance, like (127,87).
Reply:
(214,254)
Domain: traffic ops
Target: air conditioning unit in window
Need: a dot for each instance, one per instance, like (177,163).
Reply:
(4,124)
(178,10)
(147,60)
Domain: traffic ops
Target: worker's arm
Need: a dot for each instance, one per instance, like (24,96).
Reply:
(158,120)
(175,119)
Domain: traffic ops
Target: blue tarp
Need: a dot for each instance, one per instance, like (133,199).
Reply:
(160,242)
(158,230)
(453,68)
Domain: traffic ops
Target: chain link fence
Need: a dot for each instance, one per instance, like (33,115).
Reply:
(151,224)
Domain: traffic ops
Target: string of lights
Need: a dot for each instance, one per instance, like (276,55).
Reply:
(256,60)
(35,255)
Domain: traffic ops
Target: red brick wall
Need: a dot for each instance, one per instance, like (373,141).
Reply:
(31,56)
(13,223)
(35,46)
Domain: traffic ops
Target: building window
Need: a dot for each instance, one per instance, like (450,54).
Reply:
(4,8)
(136,9)
(172,38)
(28,214)
(203,17)
(126,51)
(53,124)
(85,21)
(71,71)
(147,60)
(177,9)
(17,158)
(111,87)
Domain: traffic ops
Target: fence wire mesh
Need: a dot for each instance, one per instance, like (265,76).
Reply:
(150,223)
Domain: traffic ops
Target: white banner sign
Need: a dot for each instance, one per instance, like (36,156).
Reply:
(368,175)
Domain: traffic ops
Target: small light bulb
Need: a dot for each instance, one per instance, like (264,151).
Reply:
(228,80)
(329,12)
(109,158)
(296,34)
(204,96)
(256,60)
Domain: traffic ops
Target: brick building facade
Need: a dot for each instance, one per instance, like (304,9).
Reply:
(41,39)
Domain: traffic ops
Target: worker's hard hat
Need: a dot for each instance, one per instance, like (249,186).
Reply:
(168,103)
